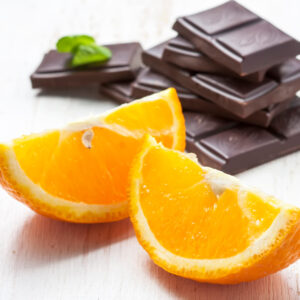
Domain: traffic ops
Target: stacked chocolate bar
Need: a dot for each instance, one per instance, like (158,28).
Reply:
(235,73)
(236,76)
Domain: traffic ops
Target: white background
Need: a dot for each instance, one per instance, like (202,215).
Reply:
(46,259)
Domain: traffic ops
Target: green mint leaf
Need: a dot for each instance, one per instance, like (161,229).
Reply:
(68,43)
(89,54)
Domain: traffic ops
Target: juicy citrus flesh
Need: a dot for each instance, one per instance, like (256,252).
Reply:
(89,162)
(195,217)
(94,175)
(202,215)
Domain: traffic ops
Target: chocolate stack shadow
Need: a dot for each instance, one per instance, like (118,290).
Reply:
(236,76)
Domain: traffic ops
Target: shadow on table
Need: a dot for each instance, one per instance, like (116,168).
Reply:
(88,93)
(42,240)
(270,287)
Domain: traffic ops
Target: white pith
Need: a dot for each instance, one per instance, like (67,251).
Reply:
(42,197)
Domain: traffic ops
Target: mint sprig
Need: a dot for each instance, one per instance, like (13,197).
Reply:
(84,50)
(67,43)
(90,54)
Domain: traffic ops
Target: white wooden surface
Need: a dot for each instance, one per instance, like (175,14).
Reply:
(45,259)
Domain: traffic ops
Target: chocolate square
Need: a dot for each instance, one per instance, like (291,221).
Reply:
(237,38)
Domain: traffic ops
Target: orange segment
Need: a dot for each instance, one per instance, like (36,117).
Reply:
(144,116)
(202,224)
(103,167)
(80,173)
(33,152)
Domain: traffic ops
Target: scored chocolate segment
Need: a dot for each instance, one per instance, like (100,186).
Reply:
(119,91)
(229,143)
(183,54)
(285,72)
(222,18)
(55,61)
(55,71)
(154,81)
(234,148)
(288,124)
(238,146)
(237,96)
(235,87)
(237,38)
(199,125)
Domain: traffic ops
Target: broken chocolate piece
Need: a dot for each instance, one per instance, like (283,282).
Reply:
(56,72)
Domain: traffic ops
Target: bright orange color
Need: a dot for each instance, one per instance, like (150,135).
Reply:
(83,168)
(199,223)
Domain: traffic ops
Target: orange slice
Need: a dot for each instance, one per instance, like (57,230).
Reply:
(202,224)
(80,173)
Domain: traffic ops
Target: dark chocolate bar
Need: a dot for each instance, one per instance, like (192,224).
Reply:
(239,97)
(237,38)
(183,54)
(228,145)
(149,82)
(234,147)
(55,71)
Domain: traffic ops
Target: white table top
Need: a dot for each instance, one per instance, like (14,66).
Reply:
(45,259)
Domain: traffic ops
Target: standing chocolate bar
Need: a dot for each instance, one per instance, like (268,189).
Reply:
(237,38)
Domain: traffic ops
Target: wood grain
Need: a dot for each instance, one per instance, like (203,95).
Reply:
(46,259)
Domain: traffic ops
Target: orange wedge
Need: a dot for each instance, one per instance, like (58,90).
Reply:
(80,173)
(202,224)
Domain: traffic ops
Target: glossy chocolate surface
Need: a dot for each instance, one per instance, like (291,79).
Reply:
(235,147)
(237,38)
(237,96)
(183,54)
(149,82)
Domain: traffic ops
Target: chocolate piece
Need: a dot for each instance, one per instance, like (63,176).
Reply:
(149,82)
(239,97)
(183,54)
(231,146)
(235,147)
(119,91)
(237,38)
(55,71)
